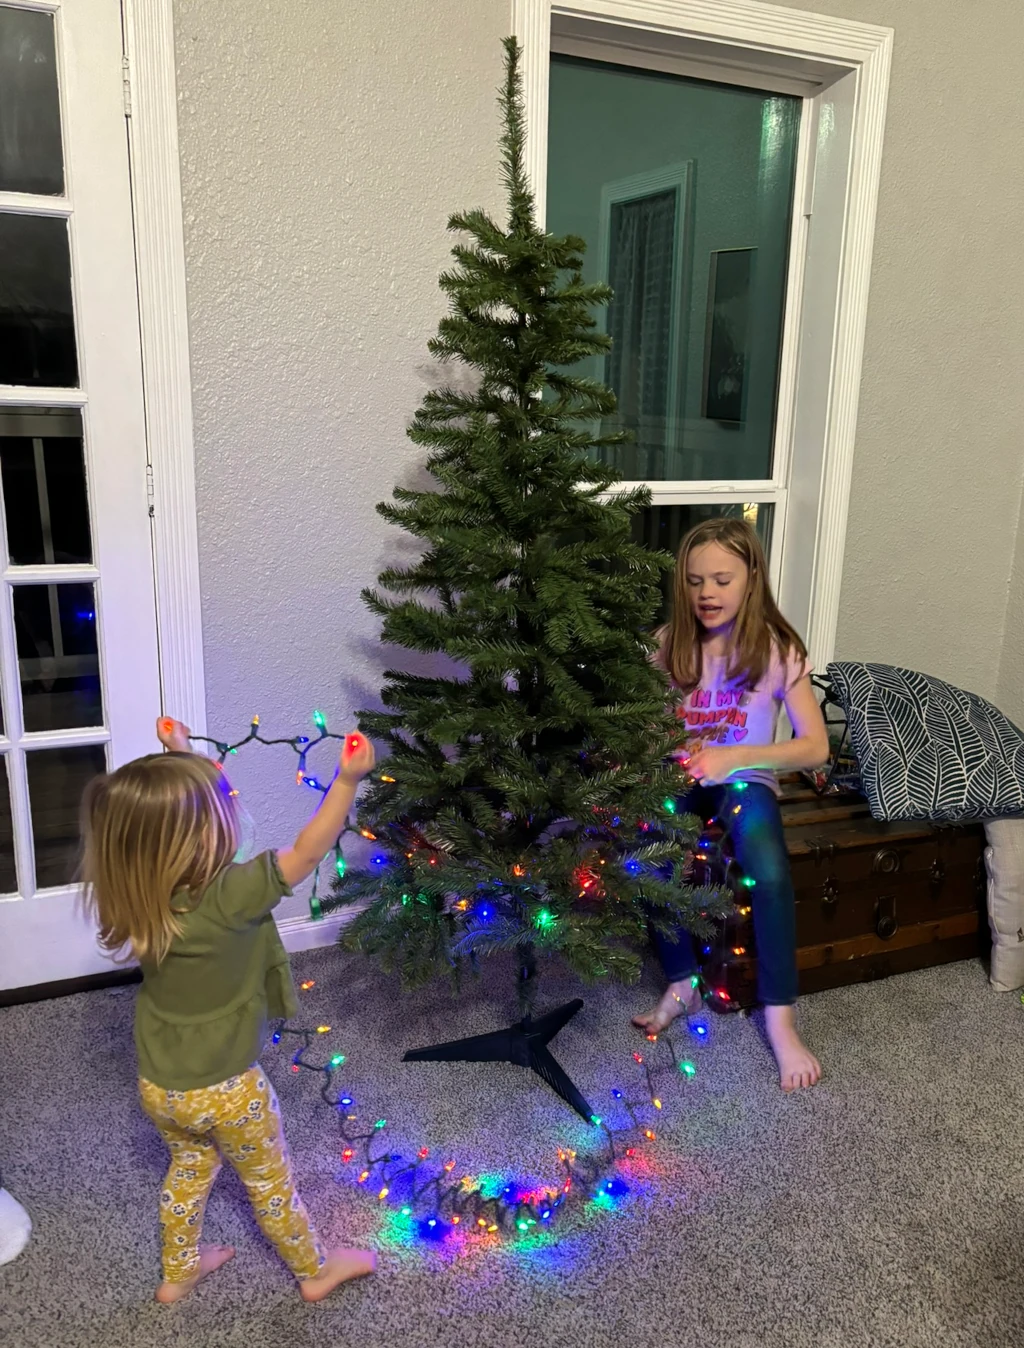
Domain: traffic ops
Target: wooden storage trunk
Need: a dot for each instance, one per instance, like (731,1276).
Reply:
(872,899)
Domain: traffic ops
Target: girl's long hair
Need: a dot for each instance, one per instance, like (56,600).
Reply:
(155,832)
(760,626)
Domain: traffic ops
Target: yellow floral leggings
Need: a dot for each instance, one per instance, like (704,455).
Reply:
(239,1119)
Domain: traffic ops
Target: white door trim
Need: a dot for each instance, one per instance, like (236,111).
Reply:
(853,59)
(160,263)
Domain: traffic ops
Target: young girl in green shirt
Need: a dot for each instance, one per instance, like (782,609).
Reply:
(161,834)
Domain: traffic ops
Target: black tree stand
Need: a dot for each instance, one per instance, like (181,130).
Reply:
(525,1043)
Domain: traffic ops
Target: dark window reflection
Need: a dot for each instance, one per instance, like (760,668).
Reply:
(45,500)
(56,780)
(31,159)
(58,656)
(37,330)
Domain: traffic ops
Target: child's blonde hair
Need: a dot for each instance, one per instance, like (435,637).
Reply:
(759,624)
(158,827)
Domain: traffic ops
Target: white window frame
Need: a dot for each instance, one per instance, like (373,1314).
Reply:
(841,70)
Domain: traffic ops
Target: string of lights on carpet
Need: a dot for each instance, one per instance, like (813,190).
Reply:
(437,1199)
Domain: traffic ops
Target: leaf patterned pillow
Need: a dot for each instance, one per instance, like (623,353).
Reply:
(928,750)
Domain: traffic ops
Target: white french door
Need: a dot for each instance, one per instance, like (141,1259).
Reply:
(79,681)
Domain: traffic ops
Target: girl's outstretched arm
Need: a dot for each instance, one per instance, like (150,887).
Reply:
(320,834)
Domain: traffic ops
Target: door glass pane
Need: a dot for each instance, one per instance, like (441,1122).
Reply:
(683,190)
(8,876)
(37,330)
(58,656)
(56,780)
(663,528)
(31,159)
(42,472)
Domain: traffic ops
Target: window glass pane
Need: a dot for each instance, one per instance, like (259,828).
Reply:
(57,656)
(56,780)
(42,470)
(641,248)
(683,191)
(37,330)
(662,528)
(8,876)
(31,159)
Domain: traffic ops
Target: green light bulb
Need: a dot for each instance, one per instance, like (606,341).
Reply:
(545,919)
(341,866)
(381,1123)
(688,1069)
(669,805)
(337,1060)
(318,720)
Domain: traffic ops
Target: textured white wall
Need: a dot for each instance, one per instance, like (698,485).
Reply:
(323,146)
(940,452)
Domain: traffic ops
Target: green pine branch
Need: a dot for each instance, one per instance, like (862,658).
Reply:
(527,799)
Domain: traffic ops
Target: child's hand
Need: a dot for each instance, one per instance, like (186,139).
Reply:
(711,764)
(173,734)
(357,757)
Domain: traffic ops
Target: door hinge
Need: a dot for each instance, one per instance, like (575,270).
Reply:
(150,492)
(126,85)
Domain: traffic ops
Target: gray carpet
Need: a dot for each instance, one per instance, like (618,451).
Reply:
(886,1207)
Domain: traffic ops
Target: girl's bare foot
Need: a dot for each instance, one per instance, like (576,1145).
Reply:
(210,1259)
(679,999)
(341,1266)
(798,1067)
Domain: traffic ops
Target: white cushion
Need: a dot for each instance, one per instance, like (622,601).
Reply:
(15,1227)
(1004,858)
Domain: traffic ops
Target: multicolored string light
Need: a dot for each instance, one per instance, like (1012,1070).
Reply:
(437,1200)
(302,746)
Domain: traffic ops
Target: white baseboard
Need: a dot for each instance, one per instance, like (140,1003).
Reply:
(303,933)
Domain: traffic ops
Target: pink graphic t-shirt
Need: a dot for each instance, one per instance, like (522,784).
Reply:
(722,712)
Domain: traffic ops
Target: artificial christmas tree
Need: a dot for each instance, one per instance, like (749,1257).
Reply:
(527,802)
